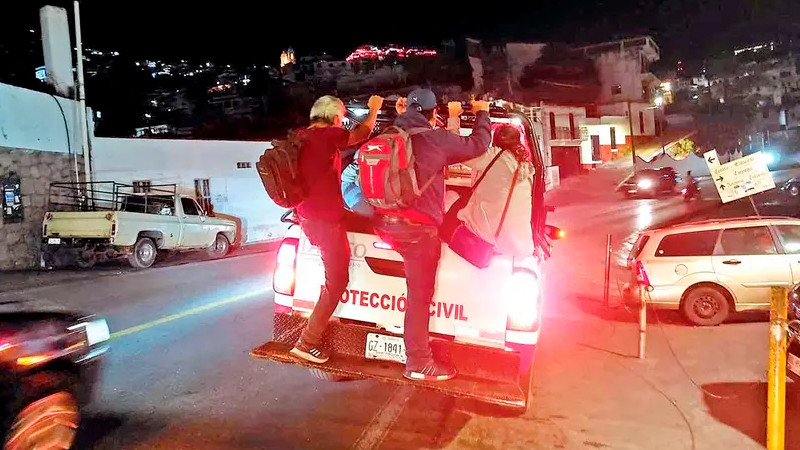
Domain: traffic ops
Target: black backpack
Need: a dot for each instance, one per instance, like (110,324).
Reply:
(279,170)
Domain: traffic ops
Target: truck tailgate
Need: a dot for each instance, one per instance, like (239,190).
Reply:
(468,303)
(88,224)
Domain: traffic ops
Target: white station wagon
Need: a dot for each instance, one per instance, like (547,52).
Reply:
(710,269)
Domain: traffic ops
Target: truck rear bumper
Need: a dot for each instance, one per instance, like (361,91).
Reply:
(486,374)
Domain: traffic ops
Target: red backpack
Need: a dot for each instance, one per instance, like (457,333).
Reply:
(386,169)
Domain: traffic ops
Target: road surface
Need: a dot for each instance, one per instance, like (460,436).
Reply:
(179,376)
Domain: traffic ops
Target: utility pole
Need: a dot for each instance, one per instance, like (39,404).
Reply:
(84,125)
(633,146)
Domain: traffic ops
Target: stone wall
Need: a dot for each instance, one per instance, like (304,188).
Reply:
(20,242)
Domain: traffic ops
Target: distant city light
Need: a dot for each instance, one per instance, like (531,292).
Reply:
(666,86)
(722,100)
(659,101)
(373,52)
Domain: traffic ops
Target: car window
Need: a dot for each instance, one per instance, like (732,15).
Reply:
(189,207)
(790,234)
(698,243)
(747,241)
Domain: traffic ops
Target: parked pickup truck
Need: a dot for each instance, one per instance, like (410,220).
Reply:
(87,224)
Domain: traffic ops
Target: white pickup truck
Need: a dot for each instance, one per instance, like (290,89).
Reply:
(109,221)
(487,320)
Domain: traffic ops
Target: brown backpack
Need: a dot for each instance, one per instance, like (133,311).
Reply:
(279,170)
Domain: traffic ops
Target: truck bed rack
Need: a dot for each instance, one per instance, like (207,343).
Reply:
(102,195)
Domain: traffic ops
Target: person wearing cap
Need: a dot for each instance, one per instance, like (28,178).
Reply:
(414,233)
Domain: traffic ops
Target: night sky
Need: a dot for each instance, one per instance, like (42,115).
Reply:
(239,31)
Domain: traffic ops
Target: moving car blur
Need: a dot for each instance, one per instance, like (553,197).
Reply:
(650,183)
(49,366)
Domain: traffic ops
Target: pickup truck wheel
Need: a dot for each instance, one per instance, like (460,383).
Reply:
(144,253)
(220,248)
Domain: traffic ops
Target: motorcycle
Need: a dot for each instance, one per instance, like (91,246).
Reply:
(691,191)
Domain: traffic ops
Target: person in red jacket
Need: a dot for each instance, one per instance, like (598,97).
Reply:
(322,211)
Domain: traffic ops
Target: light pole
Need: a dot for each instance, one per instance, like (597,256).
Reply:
(84,125)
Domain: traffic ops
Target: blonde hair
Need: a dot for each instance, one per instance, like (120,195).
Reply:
(325,109)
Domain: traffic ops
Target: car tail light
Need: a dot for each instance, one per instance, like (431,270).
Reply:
(114,229)
(524,299)
(641,275)
(283,279)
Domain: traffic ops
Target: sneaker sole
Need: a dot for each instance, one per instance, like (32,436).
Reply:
(307,356)
(422,377)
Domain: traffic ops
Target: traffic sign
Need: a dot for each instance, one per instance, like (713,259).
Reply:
(739,178)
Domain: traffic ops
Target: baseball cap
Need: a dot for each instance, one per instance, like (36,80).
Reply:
(423,97)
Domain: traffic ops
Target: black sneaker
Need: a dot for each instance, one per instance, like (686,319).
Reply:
(432,371)
(311,354)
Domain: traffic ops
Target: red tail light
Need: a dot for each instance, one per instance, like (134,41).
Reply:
(283,279)
(641,275)
(523,311)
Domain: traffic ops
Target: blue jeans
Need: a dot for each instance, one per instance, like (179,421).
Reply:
(421,249)
(334,248)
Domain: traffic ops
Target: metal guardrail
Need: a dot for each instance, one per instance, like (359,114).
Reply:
(105,196)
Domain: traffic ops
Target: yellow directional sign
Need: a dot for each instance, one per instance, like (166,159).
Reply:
(739,178)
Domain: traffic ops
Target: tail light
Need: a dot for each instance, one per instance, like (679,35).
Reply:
(641,275)
(283,279)
(113,229)
(524,299)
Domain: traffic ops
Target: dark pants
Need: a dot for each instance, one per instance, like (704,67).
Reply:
(421,249)
(334,248)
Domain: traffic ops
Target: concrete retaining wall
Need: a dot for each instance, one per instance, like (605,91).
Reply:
(20,242)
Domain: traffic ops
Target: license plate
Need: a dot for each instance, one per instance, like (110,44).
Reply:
(54,241)
(793,363)
(387,348)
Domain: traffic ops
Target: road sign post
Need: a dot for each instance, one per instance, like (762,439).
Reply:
(739,178)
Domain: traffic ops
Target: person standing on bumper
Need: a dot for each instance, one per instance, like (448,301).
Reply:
(414,232)
(322,211)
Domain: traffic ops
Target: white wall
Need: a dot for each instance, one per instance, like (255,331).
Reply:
(619,68)
(234,191)
(603,129)
(32,120)
(621,109)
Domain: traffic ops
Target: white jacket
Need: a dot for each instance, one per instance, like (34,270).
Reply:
(483,211)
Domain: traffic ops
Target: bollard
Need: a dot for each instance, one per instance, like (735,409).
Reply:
(642,322)
(776,387)
(607,281)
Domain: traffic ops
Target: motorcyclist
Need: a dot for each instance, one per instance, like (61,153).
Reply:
(691,186)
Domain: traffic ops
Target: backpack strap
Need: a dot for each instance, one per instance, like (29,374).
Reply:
(508,200)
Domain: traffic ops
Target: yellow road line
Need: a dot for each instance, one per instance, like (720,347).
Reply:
(182,314)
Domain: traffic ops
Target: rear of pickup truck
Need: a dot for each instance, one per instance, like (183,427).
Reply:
(82,225)
(486,321)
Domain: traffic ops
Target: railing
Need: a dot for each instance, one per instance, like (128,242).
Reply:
(105,196)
